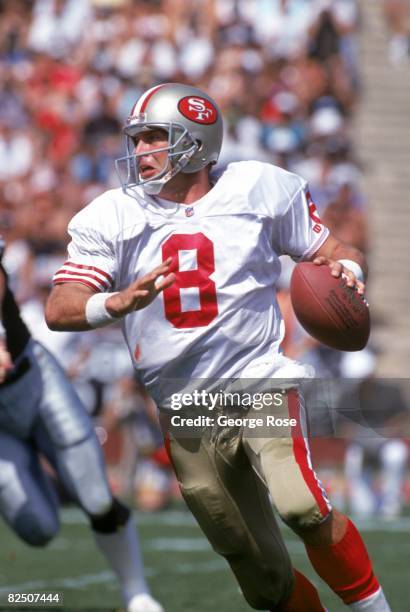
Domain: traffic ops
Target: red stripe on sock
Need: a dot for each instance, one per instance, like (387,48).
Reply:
(345,566)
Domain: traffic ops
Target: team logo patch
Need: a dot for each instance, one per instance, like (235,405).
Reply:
(189,211)
(313,214)
(197,109)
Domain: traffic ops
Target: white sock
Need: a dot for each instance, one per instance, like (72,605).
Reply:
(144,603)
(122,551)
(374,603)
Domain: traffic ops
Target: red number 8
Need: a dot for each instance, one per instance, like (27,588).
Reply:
(191,278)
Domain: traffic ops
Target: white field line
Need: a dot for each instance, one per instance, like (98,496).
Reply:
(108,578)
(178,544)
(58,583)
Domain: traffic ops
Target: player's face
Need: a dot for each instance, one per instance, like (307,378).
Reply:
(151,163)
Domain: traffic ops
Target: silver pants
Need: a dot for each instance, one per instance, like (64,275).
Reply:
(42,413)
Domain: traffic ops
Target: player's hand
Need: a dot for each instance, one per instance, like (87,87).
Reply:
(6,363)
(142,291)
(337,269)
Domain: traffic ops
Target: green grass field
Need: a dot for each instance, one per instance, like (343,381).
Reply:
(184,573)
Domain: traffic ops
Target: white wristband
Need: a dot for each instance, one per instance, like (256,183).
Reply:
(95,311)
(354,267)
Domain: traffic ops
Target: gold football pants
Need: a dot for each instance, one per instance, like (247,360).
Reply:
(226,475)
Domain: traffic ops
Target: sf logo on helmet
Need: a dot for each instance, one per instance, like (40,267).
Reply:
(199,110)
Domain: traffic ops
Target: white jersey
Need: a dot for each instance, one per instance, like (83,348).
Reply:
(220,319)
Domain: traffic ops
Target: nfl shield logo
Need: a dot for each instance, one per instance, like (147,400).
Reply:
(189,211)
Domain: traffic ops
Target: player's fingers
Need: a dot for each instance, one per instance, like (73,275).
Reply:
(139,296)
(145,283)
(162,268)
(320,261)
(165,282)
(152,276)
(143,297)
(336,268)
(350,277)
(361,287)
(159,285)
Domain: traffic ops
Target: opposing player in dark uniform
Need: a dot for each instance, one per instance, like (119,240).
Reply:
(40,412)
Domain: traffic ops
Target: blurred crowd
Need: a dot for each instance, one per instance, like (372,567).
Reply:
(285,73)
(397,14)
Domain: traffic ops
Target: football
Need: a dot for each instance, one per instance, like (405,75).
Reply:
(329,310)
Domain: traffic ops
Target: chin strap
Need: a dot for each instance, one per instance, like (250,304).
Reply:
(154,187)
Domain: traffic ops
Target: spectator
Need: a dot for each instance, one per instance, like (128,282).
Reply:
(397,13)
(374,417)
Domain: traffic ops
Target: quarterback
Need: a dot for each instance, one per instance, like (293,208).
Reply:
(189,266)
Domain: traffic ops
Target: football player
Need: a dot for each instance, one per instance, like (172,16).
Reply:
(189,266)
(40,412)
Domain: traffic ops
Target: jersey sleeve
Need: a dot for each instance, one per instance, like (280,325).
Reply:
(90,259)
(299,232)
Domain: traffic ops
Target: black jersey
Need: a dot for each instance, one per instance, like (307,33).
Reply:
(17,333)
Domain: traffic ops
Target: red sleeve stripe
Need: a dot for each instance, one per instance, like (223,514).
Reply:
(63,279)
(94,281)
(92,268)
(90,277)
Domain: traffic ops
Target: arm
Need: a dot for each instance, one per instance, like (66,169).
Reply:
(331,251)
(66,305)
(6,363)
(300,233)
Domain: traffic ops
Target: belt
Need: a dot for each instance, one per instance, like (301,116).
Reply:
(17,372)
